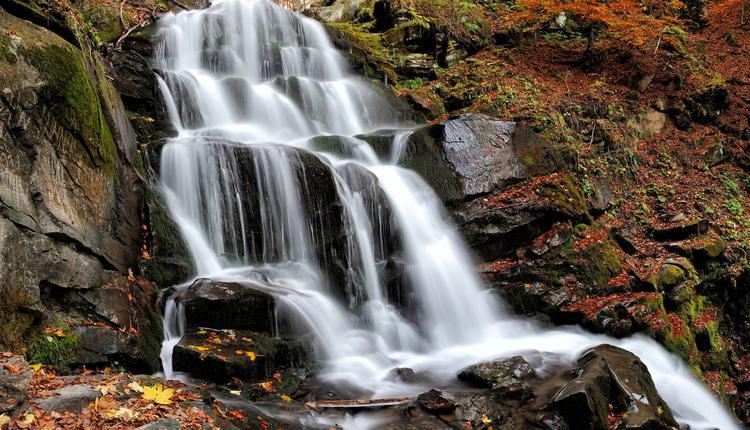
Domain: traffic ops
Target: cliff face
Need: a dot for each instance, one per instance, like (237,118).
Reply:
(70,197)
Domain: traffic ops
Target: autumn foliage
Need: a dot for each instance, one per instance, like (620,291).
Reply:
(638,23)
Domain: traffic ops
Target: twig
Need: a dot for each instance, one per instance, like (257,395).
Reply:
(118,44)
(122,18)
(658,43)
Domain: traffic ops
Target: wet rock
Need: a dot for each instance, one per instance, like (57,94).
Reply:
(222,305)
(405,374)
(72,399)
(136,82)
(611,380)
(474,154)
(679,230)
(477,408)
(15,378)
(435,403)
(505,378)
(220,355)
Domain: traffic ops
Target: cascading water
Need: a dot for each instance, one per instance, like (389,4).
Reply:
(261,101)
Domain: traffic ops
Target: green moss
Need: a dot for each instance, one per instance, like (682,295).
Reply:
(49,349)
(74,103)
(567,196)
(5,51)
(369,48)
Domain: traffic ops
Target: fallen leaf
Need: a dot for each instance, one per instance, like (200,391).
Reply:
(135,386)
(4,420)
(235,392)
(158,394)
(286,398)
(35,367)
(250,355)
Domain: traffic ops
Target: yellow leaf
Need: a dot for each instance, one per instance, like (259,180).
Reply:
(59,333)
(250,355)
(486,420)
(235,392)
(35,367)
(201,332)
(267,386)
(4,419)
(29,418)
(158,394)
(198,348)
(286,398)
(135,386)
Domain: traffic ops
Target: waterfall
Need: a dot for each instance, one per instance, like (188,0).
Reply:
(267,175)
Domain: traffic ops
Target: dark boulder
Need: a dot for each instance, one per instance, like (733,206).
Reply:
(505,378)
(221,305)
(435,403)
(612,380)
(497,224)
(679,230)
(220,355)
(474,154)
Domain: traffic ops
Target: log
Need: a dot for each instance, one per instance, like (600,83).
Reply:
(358,404)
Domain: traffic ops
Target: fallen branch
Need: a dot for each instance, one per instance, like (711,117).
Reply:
(178,4)
(358,404)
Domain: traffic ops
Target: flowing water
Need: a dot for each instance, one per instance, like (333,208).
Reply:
(267,180)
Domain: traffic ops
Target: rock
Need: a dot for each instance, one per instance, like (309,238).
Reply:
(136,82)
(496,225)
(15,378)
(338,11)
(165,424)
(474,154)
(434,403)
(651,123)
(611,380)
(122,324)
(72,399)
(505,378)
(706,107)
(220,355)
(478,408)
(419,65)
(700,249)
(680,230)
(222,305)
(405,374)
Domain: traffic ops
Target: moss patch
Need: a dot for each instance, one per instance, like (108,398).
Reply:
(74,103)
(53,350)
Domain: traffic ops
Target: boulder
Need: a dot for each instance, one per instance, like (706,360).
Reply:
(338,10)
(679,230)
(609,381)
(71,398)
(435,403)
(474,154)
(222,305)
(15,378)
(497,224)
(220,355)
(505,378)
(700,249)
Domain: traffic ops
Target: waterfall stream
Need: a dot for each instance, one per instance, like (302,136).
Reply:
(259,96)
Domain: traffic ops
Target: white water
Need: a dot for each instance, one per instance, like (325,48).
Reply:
(249,86)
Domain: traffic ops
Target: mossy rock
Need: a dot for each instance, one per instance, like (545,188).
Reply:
(60,352)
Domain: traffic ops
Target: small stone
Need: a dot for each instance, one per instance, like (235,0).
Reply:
(405,374)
